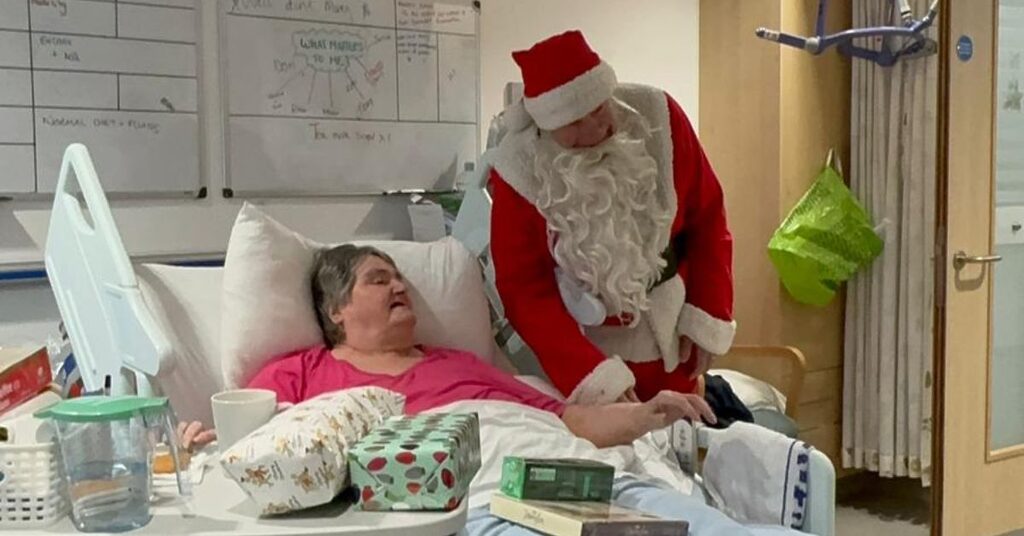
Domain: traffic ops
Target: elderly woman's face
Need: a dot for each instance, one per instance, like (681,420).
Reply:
(379,301)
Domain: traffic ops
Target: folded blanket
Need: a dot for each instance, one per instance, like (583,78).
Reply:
(758,476)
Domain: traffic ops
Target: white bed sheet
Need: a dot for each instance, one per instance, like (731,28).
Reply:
(508,429)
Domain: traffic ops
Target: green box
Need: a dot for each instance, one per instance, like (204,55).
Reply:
(539,479)
(422,462)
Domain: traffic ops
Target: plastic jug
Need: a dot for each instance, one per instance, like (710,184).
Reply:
(107,446)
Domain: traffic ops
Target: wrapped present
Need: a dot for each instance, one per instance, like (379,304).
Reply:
(298,459)
(424,462)
(557,479)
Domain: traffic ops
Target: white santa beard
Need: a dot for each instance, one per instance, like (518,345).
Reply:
(608,222)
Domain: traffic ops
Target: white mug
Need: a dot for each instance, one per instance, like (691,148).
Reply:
(238,412)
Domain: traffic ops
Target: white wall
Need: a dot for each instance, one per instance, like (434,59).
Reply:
(177,227)
(652,42)
(28,312)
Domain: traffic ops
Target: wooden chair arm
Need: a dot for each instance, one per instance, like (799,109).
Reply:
(782,367)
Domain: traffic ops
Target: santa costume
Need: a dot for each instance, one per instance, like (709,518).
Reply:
(635,227)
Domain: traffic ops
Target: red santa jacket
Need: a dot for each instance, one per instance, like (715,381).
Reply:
(525,268)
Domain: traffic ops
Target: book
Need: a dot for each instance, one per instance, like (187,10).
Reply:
(583,518)
(24,373)
(560,479)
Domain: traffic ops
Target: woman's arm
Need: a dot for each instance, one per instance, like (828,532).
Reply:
(606,425)
(616,424)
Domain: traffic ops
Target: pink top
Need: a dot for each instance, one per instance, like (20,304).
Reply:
(443,376)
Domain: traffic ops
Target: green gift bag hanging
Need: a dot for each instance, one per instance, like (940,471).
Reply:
(824,240)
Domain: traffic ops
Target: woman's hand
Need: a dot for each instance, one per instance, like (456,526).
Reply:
(192,436)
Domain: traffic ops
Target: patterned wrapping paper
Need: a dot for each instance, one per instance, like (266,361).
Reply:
(298,459)
(424,462)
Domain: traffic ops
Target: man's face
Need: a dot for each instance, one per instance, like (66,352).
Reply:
(588,131)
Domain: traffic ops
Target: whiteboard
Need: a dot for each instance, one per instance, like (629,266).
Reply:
(118,76)
(348,96)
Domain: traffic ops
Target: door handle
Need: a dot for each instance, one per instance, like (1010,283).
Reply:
(961,259)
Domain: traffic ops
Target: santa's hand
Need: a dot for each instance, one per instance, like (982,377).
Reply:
(687,350)
(629,396)
(668,407)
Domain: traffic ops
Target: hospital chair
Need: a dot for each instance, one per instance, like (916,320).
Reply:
(121,318)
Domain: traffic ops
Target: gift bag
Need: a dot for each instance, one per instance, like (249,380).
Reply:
(824,240)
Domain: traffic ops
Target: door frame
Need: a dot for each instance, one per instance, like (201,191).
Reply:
(941,254)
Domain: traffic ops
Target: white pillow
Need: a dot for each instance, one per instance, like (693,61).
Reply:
(267,306)
(185,302)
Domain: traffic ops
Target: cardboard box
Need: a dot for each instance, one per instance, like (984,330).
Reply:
(424,462)
(557,479)
(24,373)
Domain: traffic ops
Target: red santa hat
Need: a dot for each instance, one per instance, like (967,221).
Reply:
(563,79)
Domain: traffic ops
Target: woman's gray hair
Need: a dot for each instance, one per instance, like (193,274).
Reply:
(333,277)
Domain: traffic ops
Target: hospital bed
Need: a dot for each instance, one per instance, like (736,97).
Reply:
(155,329)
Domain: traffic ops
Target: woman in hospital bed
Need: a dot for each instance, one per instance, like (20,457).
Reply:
(367,319)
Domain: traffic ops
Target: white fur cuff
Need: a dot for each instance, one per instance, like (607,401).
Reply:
(708,332)
(574,99)
(604,384)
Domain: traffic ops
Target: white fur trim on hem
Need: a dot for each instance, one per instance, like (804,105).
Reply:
(604,384)
(708,332)
(572,100)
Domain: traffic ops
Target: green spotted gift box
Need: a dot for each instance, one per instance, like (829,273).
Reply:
(422,462)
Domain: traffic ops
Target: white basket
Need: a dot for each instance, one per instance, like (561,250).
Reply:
(31,486)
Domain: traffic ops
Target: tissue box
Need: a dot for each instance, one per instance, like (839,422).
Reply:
(24,373)
(297,460)
(557,479)
(417,463)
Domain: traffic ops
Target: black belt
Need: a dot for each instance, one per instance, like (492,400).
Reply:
(671,262)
